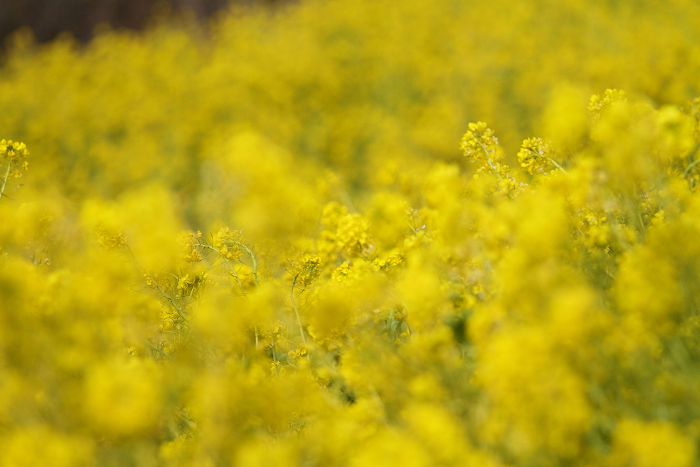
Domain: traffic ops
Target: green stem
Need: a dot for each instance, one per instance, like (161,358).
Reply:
(296,310)
(489,161)
(642,227)
(274,350)
(692,164)
(690,167)
(553,162)
(159,350)
(4,182)
(169,299)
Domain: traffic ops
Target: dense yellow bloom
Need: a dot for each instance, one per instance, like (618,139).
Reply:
(110,240)
(123,398)
(352,235)
(331,215)
(651,444)
(39,445)
(517,301)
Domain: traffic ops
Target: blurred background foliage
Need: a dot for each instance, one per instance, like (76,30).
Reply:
(365,89)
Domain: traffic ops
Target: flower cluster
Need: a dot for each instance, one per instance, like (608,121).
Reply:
(306,269)
(536,156)
(14,154)
(189,243)
(14,151)
(229,243)
(599,104)
(479,144)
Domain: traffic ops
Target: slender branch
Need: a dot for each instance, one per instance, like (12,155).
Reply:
(233,270)
(159,350)
(169,299)
(160,289)
(250,253)
(252,257)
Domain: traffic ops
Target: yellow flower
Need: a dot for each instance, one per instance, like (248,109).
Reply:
(536,156)
(306,269)
(229,242)
(352,235)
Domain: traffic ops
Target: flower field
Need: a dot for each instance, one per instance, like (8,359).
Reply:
(355,233)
